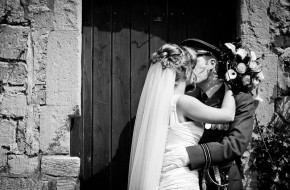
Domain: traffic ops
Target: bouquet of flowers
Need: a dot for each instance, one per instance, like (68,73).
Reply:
(239,68)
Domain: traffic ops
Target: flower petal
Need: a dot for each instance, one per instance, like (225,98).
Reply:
(246,79)
(241,52)
(230,74)
(253,65)
(255,82)
(253,56)
(231,47)
(241,68)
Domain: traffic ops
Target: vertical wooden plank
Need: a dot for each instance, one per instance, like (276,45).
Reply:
(140,50)
(158,24)
(121,70)
(195,23)
(212,21)
(177,21)
(87,90)
(120,81)
(102,94)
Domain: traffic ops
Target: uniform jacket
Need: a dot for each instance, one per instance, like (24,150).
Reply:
(228,145)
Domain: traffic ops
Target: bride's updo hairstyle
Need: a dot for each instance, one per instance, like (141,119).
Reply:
(177,57)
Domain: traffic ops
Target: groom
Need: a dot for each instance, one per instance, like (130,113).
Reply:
(218,155)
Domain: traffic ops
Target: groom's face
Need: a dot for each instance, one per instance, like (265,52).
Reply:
(201,70)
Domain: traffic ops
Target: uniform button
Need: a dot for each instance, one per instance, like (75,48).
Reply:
(227,177)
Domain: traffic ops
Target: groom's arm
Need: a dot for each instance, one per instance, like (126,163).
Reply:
(234,144)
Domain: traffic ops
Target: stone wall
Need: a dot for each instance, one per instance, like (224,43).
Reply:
(40,83)
(265,28)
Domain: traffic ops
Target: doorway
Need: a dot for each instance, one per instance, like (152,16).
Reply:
(118,39)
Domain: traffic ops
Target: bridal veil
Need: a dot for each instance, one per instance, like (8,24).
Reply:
(150,130)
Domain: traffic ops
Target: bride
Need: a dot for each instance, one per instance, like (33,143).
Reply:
(167,118)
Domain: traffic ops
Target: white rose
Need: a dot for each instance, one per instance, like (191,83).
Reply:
(231,47)
(246,79)
(253,65)
(230,74)
(241,68)
(253,56)
(241,52)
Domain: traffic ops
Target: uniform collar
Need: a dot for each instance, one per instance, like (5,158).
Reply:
(217,97)
(213,90)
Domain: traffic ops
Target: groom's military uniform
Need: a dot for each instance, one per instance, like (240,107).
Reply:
(221,147)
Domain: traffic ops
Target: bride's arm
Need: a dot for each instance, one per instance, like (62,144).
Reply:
(194,109)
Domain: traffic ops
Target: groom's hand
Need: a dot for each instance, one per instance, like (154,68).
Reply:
(175,158)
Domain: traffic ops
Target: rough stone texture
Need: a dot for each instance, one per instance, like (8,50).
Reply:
(24,184)
(32,130)
(7,133)
(13,40)
(63,87)
(255,34)
(42,93)
(66,15)
(39,94)
(15,71)
(40,40)
(60,166)
(3,160)
(68,184)
(55,130)
(21,164)
(268,89)
(13,105)
(14,12)
(265,28)
(62,183)
(21,136)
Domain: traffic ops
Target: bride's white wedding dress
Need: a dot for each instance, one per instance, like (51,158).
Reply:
(181,134)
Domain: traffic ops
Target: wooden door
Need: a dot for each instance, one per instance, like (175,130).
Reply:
(118,39)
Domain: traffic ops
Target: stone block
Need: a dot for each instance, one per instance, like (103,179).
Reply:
(55,129)
(3,160)
(24,184)
(13,40)
(12,11)
(68,184)
(40,40)
(63,71)
(39,94)
(14,89)
(32,130)
(60,166)
(43,21)
(21,136)
(16,72)
(2,9)
(67,15)
(40,6)
(268,88)
(14,105)
(7,133)
(21,164)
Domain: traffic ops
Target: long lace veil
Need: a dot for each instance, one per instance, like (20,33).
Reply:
(150,130)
